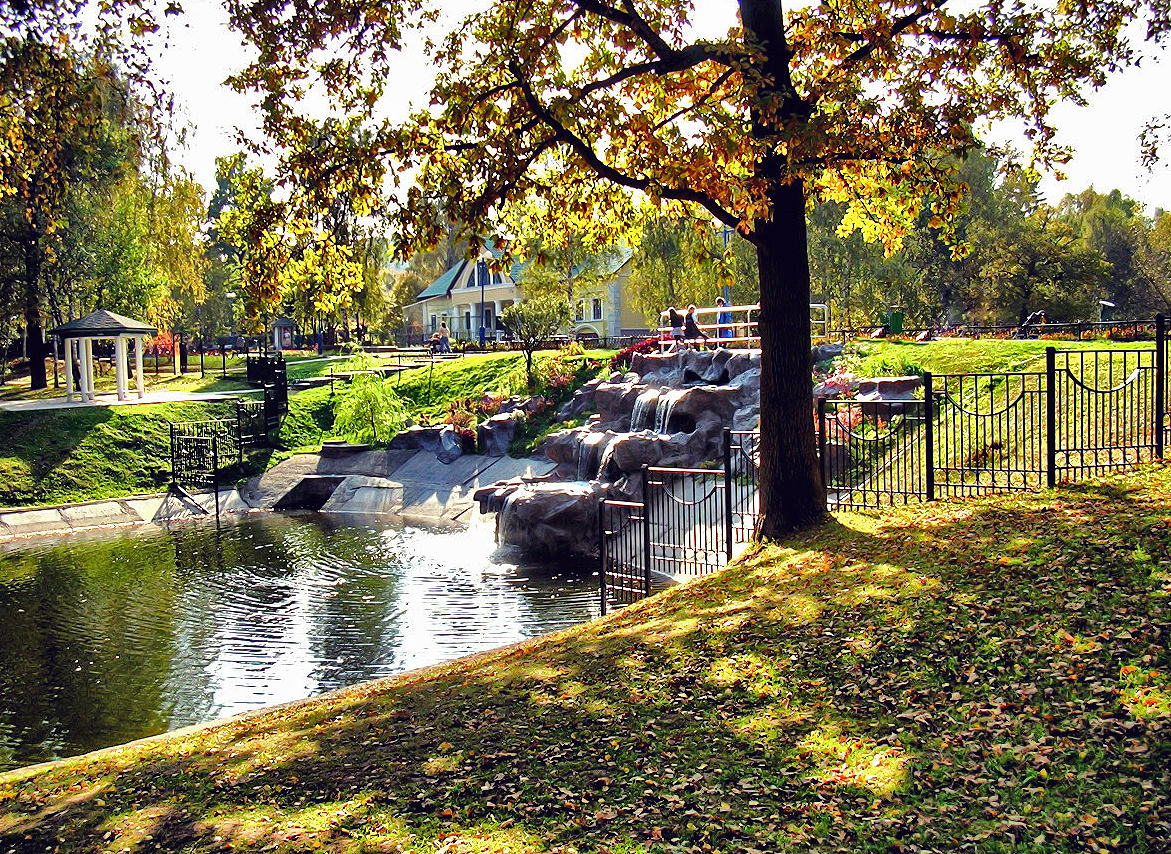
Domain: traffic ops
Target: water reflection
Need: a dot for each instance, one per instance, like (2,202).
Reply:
(114,636)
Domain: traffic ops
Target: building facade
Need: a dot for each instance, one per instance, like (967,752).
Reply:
(455,298)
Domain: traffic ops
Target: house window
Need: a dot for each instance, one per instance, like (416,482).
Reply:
(434,322)
(468,321)
(597,307)
(580,310)
(479,274)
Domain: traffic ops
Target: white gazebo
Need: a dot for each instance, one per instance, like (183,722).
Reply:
(78,336)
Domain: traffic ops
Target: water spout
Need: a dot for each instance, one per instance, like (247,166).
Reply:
(666,406)
(643,415)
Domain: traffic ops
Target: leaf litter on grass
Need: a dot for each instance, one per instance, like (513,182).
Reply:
(980,677)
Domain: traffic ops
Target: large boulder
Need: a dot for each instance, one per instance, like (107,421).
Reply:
(495,435)
(416,438)
(554,519)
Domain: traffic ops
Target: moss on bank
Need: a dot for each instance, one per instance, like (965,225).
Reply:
(987,677)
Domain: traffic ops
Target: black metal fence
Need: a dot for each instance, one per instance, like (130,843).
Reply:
(200,450)
(1089,412)
(252,423)
(266,369)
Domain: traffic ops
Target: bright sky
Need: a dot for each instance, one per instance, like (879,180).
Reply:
(1104,135)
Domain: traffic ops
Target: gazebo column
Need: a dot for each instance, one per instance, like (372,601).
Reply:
(120,366)
(138,339)
(87,369)
(69,369)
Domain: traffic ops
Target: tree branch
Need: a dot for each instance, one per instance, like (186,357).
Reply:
(604,170)
(676,59)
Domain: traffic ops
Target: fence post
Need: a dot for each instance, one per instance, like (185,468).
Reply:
(602,555)
(821,442)
(1050,417)
(646,530)
(929,441)
(174,479)
(215,471)
(728,493)
(1160,382)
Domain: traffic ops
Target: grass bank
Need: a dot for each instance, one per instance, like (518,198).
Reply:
(964,355)
(988,677)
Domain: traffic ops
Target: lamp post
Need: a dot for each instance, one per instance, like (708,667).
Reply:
(727,232)
(231,296)
(482,273)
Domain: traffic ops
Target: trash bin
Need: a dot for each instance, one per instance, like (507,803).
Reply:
(894,320)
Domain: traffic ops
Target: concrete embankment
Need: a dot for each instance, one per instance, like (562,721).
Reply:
(411,485)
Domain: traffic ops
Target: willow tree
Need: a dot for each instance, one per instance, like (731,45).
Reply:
(866,103)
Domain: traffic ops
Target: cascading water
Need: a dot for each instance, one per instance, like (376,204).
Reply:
(643,415)
(585,453)
(666,406)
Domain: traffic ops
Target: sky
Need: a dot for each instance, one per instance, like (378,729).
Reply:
(1104,134)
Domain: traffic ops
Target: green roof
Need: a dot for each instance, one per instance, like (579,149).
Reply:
(442,285)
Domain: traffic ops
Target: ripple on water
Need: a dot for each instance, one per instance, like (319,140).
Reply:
(117,635)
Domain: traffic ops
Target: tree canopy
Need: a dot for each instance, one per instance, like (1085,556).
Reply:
(863,103)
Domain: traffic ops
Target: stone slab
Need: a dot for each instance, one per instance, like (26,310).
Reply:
(34,521)
(97,513)
(147,509)
(230,501)
(370,500)
(424,468)
(506,468)
(266,490)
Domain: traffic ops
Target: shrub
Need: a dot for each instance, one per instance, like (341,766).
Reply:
(623,358)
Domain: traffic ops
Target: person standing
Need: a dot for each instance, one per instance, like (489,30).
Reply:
(691,330)
(724,319)
(676,321)
(444,338)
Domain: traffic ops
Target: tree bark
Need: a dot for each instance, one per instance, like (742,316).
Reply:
(34,335)
(792,495)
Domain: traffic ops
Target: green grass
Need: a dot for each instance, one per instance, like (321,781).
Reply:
(58,456)
(962,355)
(989,677)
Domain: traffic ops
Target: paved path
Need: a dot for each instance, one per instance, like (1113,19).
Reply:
(111,399)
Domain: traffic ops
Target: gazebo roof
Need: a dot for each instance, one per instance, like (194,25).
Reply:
(285,322)
(103,324)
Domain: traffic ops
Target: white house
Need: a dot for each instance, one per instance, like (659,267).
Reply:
(455,298)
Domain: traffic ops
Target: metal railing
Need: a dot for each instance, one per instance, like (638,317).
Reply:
(1090,412)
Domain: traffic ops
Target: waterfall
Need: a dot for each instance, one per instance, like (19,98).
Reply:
(585,453)
(643,415)
(666,407)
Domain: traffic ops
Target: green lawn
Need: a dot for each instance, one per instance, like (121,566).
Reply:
(987,677)
(963,355)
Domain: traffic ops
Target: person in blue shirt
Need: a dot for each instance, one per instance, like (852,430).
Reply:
(724,319)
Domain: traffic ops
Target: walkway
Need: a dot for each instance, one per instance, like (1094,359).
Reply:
(111,399)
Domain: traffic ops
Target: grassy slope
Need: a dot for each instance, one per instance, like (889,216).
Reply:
(85,453)
(81,454)
(987,677)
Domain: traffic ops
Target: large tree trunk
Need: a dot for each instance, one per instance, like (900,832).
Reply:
(791,493)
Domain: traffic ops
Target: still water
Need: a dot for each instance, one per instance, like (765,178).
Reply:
(112,636)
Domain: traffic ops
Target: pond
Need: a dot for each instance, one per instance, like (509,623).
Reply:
(116,635)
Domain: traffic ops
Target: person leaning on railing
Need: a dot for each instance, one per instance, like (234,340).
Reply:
(691,331)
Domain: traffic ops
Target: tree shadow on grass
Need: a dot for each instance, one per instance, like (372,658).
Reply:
(949,680)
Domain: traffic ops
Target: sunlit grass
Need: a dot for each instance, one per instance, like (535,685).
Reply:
(885,682)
